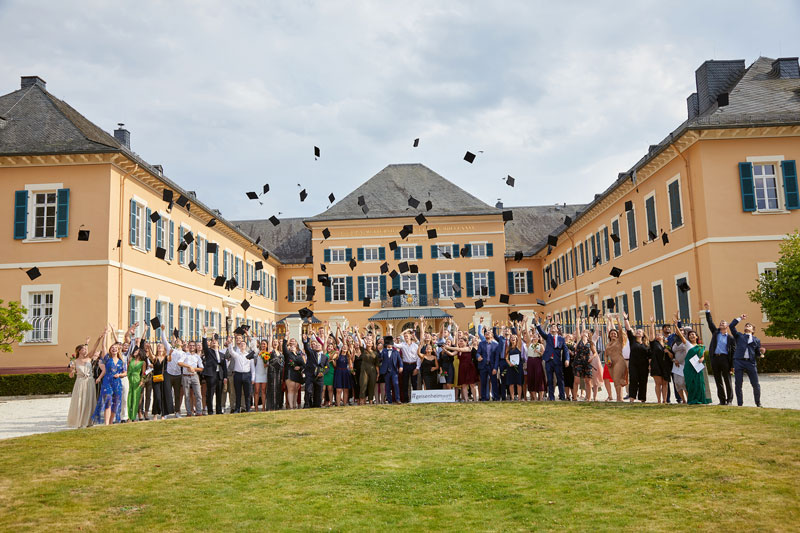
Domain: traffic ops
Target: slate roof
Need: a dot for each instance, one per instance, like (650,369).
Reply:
(532,224)
(290,241)
(386,195)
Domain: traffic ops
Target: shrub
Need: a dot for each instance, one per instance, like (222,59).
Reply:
(31,384)
(779,361)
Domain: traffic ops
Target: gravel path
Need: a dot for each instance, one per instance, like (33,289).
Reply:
(21,416)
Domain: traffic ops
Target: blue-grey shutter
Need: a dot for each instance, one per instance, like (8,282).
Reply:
(747,187)
(133,222)
(469,250)
(360,254)
(658,304)
(148,234)
(383,287)
(489,249)
(674,191)
(171,319)
(491,283)
(419,252)
(605,245)
(147,312)
(457,281)
(20,214)
(650,209)
(328,293)
(171,240)
(382,253)
(216,263)
(131,309)
(349,284)
(396,285)
(529,275)
(326,255)
(182,254)
(625,305)
(455,251)
(470,292)
(397,253)
(62,212)
(360,286)
(309,284)
(637,306)
(291,290)
(434,251)
(348,254)
(435,285)
(510,283)
(790,190)
(683,302)
(422,281)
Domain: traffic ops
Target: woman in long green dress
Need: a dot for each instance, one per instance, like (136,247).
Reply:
(695,383)
(135,384)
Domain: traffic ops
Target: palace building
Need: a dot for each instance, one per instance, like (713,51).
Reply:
(115,241)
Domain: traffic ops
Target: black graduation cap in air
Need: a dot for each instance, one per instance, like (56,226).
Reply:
(265,255)
(420,219)
(510,181)
(508,215)
(352,264)
(413,202)
(407,230)
(447,255)
(274,220)
(239,331)
(175,332)
(245,304)
(553,283)
(594,313)
(540,301)
(610,303)
(182,246)
(219,281)
(432,234)
(469,157)
(265,188)
(615,272)
(456,288)
(549,250)
(597,260)
(192,266)
(396,292)
(683,286)
(155,323)
(233,283)
(478,302)
(83,234)
(364,209)
(119,243)
(331,198)
(161,253)
(403,267)
(652,235)
(504,298)
(33,273)
(615,238)
(361,201)
(316,152)
(182,201)
(414,269)
(188,237)
(323,267)
(384,268)
(170,206)
(459,305)
(303,195)
(428,205)
(166,195)
(567,220)
(211,247)
(393,274)
(154,216)
(416,142)
(665,238)
(518,256)
(326,233)
(325,280)
(464,251)
(552,240)
(629,205)
(366,302)
(515,316)
(311,291)
(255,285)
(484,290)
(211,223)
(393,245)
(259,265)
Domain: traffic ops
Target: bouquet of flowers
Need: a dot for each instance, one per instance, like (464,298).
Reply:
(264,357)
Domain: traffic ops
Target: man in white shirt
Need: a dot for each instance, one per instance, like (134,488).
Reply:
(176,354)
(408,353)
(241,355)
(191,364)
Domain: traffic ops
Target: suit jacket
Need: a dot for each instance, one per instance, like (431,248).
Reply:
(489,352)
(712,347)
(315,365)
(391,362)
(211,367)
(554,350)
(752,348)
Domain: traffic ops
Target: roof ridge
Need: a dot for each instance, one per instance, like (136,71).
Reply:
(19,99)
(55,103)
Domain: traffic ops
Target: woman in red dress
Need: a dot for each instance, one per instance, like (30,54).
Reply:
(536,378)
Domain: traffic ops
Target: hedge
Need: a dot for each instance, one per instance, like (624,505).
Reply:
(29,384)
(779,361)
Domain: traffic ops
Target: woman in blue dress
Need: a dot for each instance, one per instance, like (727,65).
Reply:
(341,376)
(109,403)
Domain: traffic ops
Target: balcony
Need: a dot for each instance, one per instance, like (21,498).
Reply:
(411,300)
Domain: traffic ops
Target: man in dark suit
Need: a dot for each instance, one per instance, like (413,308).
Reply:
(748,348)
(555,350)
(215,371)
(488,363)
(721,348)
(316,361)
(391,368)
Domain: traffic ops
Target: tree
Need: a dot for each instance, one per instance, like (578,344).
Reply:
(12,324)
(777,291)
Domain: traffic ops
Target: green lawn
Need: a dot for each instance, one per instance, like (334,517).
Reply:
(431,467)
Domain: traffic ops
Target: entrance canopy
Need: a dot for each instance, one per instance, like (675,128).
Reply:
(400,314)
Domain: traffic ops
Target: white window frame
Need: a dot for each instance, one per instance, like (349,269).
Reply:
(763,267)
(408,252)
(337,250)
(476,293)
(448,291)
(33,189)
(669,182)
(376,250)
(410,283)
(780,195)
(300,286)
(448,247)
(655,212)
(339,280)
(370,280)
(25,296)
(141,224)
(520,275)
(475,255)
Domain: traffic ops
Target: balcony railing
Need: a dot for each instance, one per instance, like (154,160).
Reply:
(42,329)
(411,300)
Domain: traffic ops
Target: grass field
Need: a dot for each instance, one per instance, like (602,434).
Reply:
(430,467)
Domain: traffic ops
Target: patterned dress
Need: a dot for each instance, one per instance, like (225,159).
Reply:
(580,361)
(110,391)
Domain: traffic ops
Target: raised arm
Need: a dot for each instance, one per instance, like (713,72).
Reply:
(679,331)
(165,341)
(709,320)
(479,329)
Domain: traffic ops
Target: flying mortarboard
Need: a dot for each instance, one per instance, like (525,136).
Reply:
(211,248)
(615,238)
(255,285)
(508,216)
(567,220)
(469,157)
(303,195)
(610,303)
(456,288)
(83,234)
(331,198)
(166,195)
(393,274)
(416,142)
(432,234)
(459,305)
(265,255)
(420,219)
(211,223)
(266,188)
(326,233)
(518,256)
(414,269)
(119,243)
(665,238)
(683,286)
(245,304)
(188,237)
(396,292)
(510,181)
(652,235)
(192,266)
(155,323)
(504,298)
(233,283)
(361,200)
(316,152)
(323,267)
(33,273)
(403,267)
(161,253)
(259,265)
(540,301)
(393,245)
(594,313)
(239,331)
(597,260)
(154,216)
(479,301)
(311,291)
(182,246)
(364,209)
(615,272)
(352,264)
(552,240)
(428,205)
(366,302)
(384,268)
(252,195)
(484,290)
(413,202)
(553,283)
(447,255)
(182,201)
(465,250)
(515,316)
(274,220)
(629,205)
(219,281)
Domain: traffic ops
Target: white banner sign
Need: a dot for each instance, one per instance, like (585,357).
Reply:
(433,396)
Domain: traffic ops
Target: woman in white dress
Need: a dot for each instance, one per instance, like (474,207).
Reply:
(84,399)
(260,375)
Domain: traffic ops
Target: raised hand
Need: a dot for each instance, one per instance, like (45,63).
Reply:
(706,305)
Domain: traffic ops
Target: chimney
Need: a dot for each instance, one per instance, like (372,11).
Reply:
(28,81)
(122,135)
(714,78)
(785,67)
(499,204)
(693,106)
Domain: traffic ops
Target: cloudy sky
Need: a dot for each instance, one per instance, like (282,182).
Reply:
(230,95)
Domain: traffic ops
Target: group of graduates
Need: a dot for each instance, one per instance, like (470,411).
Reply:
(135,379)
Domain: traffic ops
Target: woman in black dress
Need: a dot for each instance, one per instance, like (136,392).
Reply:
(429,367)
(570,389)
(660,363)
(581,365)
(639,363)
(275,377)
(162,399)
(295,362)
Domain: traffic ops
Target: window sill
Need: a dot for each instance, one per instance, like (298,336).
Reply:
(772,212)
(43,343)
(139,249)
(676,229)
(34,239)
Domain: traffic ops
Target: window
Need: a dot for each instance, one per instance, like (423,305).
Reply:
(593,258)
(408,252)
(161,233)
(445,249)
(479,249)
(675,208)
(520,282)
(202,258)
(372,253)
(658,303)
(372,287)
(446,281)
(338,255)
(618,243)
(650,213)
(137,224)
(479,280)
(765,182)
(632,243)
(44,215)
(339,288)
(300,286)
(40,316)
(41,212)
(408,282)
(683,299)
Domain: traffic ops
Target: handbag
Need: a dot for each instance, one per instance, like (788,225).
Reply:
(158,378)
